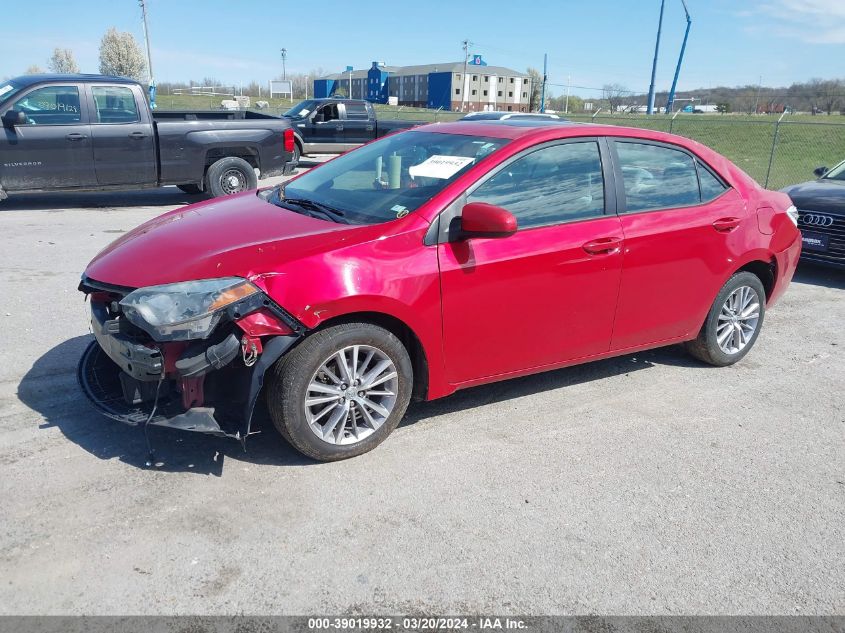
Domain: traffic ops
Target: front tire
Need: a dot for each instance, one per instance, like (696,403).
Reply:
(229,176)
(733,323)
(341,391)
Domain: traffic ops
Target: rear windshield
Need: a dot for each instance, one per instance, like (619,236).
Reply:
(391,177)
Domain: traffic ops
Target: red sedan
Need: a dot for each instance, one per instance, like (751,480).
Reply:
(432,260)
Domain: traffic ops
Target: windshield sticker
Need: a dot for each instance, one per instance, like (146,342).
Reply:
(304,112)
(440,167)
(5,89)
(399,210)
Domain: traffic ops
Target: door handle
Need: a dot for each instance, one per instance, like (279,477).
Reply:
(603,246)
(75,136)
(369,128)
(726,225)
(137,135)
(340,128)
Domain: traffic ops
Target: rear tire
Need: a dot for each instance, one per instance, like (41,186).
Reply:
(733,323)
(324,413)
(229,176)
(297,154)
(190,189)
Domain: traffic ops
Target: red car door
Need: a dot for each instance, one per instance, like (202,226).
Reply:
(682,226)
(547,293)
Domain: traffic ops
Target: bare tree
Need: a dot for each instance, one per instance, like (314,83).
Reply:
(63,61)
(35,69)
(120,55)
(614,94)
(536,89)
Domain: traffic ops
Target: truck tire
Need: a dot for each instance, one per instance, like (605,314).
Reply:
(190,189)
(297,153)
(229,176)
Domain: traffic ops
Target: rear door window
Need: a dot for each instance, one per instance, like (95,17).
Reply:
(51,105)
(114,104)
(356,112)
(657,177)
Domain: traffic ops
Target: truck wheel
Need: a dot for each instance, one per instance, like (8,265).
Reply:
(297,154)
(230,175)
(190,189)
(341,391)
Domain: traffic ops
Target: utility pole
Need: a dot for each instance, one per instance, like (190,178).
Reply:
(654,65)
(465,83)
(284,53)
(568,85)
(757,98)
(671,100)
(545,78)
(143,5)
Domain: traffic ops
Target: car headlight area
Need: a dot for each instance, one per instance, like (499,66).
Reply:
(184,311)
(189,355)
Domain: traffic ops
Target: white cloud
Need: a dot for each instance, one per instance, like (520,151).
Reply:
(811,21)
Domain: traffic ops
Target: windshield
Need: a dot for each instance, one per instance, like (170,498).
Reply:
(837,173)
(8,90)
(301,109)
(387,179)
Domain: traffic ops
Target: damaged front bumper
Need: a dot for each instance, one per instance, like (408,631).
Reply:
(208,386)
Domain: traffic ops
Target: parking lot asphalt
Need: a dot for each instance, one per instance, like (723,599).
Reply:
(646,484)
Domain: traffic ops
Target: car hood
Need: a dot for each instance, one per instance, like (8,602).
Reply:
(819,195)
(241,236)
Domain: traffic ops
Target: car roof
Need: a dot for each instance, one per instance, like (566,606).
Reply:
(28,80)
(492,115)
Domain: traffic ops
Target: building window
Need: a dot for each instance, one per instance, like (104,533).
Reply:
(458,77)
(474,92)
(457,91)
(524,95)
(511,79)
(475,77)
(500,93)
(510,94)
(486,78)
(485,93)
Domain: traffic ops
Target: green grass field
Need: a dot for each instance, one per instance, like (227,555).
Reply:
(804,142)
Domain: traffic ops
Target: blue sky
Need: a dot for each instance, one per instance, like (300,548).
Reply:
(731,43)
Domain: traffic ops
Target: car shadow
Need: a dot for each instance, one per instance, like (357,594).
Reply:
(50,389)
(495,393)
(161,197)
(809,273)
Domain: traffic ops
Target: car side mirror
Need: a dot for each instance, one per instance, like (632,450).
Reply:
(13,118)
(820,171)
(319,118)
(479,219)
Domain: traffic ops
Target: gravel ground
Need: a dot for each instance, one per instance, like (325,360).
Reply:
(646,484)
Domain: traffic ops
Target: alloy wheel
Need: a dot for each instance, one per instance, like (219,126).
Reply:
(738,320)
(351,395)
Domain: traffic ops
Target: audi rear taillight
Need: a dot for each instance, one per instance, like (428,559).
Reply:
(288,140)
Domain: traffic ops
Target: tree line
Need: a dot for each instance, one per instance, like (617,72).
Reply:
(120,55)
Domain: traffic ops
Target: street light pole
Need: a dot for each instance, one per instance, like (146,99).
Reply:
(464,83)
(284,52)
(654,65)
(143,6)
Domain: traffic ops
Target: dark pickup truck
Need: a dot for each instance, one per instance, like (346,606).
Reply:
(92,132)
(334,126)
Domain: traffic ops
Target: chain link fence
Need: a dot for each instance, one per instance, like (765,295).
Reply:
(775,152)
